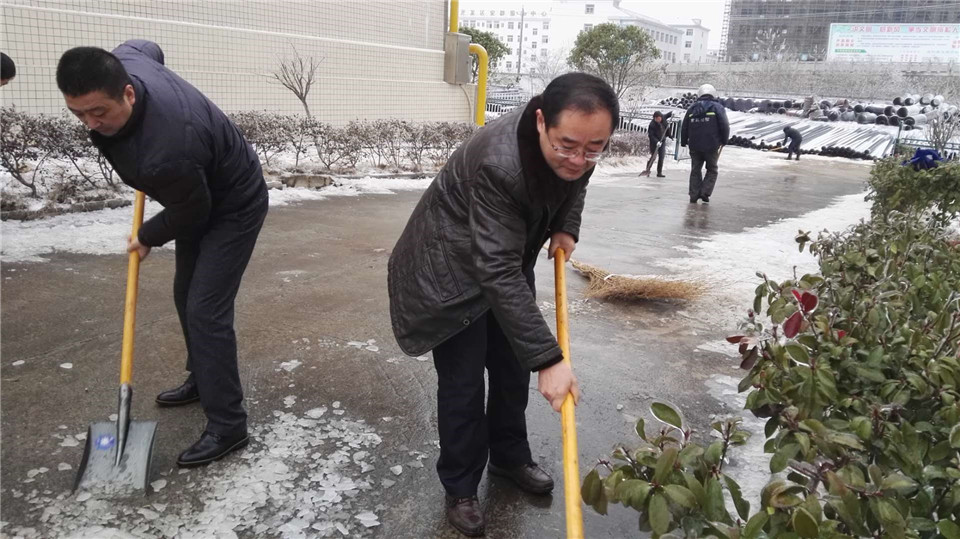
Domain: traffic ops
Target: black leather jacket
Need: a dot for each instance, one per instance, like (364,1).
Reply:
(472,242)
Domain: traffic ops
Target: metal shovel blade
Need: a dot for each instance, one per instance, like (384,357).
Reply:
(99,469)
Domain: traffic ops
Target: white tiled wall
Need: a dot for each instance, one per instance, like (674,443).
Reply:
(380,59)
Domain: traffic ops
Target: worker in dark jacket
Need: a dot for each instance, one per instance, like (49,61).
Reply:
(657,133)
(165,138)
(461,280)
(795,139)
(705,130)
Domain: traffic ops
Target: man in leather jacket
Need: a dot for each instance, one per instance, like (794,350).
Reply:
(461,280)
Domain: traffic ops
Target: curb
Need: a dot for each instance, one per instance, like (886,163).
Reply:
(79,207)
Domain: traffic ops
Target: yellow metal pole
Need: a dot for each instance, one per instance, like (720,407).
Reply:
(571,459)
(130,305)
(484,60)
(454,15)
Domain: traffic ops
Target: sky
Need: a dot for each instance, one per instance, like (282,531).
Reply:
(672,12)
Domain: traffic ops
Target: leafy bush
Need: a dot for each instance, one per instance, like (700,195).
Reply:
(898,188)
(629,143)
(75,146)
(35,147)
(264,131)
(337,147)
(859,377)
(25,146)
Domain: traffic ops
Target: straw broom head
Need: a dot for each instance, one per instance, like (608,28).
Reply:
(604,285)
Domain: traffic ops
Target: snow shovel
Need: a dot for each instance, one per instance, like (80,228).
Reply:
(571,460)
(117,455)
(653,158)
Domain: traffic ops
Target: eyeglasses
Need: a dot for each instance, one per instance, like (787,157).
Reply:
(593,157)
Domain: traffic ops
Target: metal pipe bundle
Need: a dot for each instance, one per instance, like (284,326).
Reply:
(866,118)
(882,120)
(908,110)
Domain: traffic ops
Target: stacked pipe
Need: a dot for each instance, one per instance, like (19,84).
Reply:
(871,132)
(894,113)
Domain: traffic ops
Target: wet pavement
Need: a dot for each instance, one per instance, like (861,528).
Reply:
(314,331)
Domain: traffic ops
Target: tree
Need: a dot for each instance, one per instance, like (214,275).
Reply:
(297,74)
(941,129)
(624,56)
(496,49)
(548,67)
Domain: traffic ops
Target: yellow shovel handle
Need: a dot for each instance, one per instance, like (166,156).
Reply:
(571,459)
(130,305)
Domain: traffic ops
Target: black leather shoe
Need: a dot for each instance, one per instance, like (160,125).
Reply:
(185,394)
(706,200)
(693,200)
(661,176)
(211,447)
(530,477)
(465,515)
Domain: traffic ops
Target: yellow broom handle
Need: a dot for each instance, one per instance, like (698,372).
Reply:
(130,305)
(571,460)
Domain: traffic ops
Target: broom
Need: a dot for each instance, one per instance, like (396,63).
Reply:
(605,285)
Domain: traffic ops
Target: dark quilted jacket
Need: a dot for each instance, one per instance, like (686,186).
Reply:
(180,150)
(472,241)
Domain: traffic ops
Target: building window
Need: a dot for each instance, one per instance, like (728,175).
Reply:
(481,12)
(689,31)
(587,27)
(510,25)
(546,25)
(502,12)
(686,57)
(512,13)
(688,45)
(509,65)
(546,39)
(472,12)
(533,45)
(589,9)
(510,38)
(534,31)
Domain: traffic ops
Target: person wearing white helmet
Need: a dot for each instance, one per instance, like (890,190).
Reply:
(705,130)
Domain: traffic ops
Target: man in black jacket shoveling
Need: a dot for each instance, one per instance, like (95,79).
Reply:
(657,132)
(165,138)
(795,139)
(461,281)
(705,129)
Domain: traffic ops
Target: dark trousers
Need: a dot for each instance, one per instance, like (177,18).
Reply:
(467,434)
(701,186)
(661,153)
(794,148)
(209,268)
